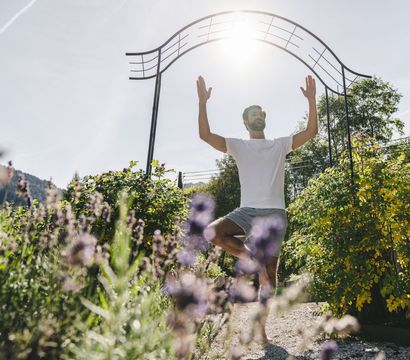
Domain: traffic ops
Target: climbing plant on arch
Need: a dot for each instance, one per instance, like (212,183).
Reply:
(261,26)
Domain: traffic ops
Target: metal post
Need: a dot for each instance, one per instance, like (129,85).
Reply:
(328,126)
(180,183)
(348,123)
(154,117)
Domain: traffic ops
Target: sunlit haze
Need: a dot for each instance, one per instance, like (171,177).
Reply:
(67,104)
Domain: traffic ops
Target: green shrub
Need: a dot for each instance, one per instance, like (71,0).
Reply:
(133,323)
(36,312)
(355,239)
(156,199)
(40,292)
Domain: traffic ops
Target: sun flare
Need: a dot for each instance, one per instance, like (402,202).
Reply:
(240,44)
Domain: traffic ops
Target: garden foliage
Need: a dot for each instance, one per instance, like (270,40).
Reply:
(354,239)
(224,188)
(156,199)
(48,264)
(66,293)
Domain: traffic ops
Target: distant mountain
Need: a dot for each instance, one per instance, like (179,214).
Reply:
(37,188)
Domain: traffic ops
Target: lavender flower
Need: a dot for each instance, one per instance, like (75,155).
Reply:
(96,203)
(80,251)
(246,266)
(197,233)
(190,294)
(24,189)
(195,242)
(53,196)
(70,285)
(328,350)
(138,232)
(186,257)
(241,291)
(202,203)
(201,214)
(265,293)
(158,243)
(263,238)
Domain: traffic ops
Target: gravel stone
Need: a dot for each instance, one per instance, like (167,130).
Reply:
(283,332)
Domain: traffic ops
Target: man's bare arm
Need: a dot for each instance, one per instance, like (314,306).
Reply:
(216,141)
(312,126)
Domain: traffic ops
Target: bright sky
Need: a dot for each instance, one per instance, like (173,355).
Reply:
(67,105)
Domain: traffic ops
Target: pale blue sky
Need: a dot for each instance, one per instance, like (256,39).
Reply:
(67,105)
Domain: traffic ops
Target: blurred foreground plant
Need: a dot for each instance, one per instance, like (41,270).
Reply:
(130,327)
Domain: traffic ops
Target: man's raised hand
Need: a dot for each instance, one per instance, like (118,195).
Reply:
(310,91)
(203,93)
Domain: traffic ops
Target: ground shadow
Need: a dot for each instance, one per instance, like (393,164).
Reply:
(277,353)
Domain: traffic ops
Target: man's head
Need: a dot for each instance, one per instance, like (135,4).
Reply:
(254,118)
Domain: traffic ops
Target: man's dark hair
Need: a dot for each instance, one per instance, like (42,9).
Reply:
(249,108)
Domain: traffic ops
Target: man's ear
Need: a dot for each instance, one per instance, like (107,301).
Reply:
(264,114)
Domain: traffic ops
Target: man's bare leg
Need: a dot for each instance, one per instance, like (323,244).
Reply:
(225,230)
(269,274)
(272,271)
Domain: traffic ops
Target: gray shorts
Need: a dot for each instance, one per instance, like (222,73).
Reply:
(245,217)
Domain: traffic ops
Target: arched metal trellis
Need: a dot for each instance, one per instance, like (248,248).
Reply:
(260,26)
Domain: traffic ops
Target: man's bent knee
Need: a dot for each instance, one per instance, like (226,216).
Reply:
(218,235)
(224,227)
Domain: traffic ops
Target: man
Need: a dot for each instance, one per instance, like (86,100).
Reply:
(261,167)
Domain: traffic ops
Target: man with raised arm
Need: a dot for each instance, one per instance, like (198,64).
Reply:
(261,167)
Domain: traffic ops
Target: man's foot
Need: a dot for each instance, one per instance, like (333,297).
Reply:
(264,336)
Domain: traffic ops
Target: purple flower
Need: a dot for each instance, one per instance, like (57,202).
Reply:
(265,293)
(80,251)
(202,203)
(195,242)
(186,257)
(328,350)
(200,215)
(190,294)
(24,189)
(263,240)
(241,291)
(246,267)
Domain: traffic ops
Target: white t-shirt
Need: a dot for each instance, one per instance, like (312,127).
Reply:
(261,167)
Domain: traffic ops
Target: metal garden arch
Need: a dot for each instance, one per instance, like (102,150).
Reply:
(261,26)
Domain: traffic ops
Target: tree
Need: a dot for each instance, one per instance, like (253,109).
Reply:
(372,103)
(224,188)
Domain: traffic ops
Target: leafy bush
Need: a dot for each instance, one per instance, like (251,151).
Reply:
(354,240)
(47,267)
(156,200)
(133,325)
(64,294)
(37,311)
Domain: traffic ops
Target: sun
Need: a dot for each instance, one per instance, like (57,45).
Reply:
(240,46)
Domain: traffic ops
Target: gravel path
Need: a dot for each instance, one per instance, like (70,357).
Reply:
(282,331)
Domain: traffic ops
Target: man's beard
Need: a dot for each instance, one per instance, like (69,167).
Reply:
(257,125)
